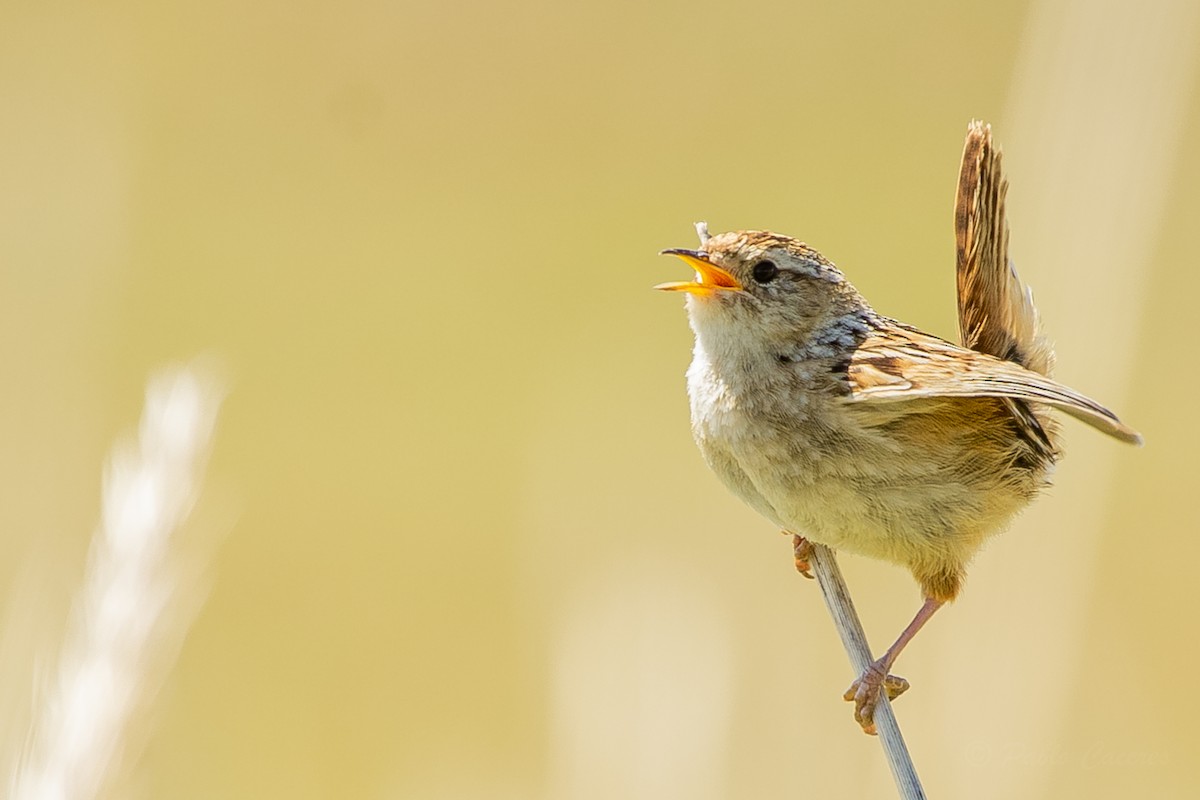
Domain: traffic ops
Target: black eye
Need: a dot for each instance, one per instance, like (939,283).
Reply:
(765,271)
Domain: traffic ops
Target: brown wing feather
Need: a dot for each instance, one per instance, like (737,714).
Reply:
(905,364)
(996,314)
(1004,354)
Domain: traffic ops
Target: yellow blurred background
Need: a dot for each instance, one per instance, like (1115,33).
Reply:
(468,549)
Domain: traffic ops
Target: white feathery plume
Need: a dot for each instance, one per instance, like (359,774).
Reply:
(130,614)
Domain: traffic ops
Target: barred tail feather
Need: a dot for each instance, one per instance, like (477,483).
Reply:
(996,314)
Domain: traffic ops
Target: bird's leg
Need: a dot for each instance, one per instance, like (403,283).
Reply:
(865,691)
(803,550)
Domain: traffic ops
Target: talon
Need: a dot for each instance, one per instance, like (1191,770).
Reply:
(803,550)
(895,686)
(864,693)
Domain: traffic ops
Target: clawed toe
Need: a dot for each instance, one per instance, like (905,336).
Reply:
(864,693)
(803,551)
(895,686)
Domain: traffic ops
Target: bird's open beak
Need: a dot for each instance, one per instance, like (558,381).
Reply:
(709,277)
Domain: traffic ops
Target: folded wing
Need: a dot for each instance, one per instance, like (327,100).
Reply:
(905,364)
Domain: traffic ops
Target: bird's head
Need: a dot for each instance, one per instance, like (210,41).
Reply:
(763,283)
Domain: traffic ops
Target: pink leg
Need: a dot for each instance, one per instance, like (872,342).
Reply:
(865,691)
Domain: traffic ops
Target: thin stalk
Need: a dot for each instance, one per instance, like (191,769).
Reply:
(845,619)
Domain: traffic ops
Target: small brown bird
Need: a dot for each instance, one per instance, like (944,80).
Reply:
(850,429)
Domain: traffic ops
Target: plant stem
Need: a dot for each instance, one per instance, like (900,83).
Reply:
(845,619)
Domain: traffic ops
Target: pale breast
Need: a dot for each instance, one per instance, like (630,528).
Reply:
(906,482)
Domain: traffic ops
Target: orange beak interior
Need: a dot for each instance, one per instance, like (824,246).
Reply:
(709,277)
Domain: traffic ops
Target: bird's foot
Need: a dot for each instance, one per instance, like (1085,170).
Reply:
(864,693)
(803,550)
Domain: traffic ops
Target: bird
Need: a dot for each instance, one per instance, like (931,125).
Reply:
(847,428)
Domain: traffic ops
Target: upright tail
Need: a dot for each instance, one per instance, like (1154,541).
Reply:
(996,314)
